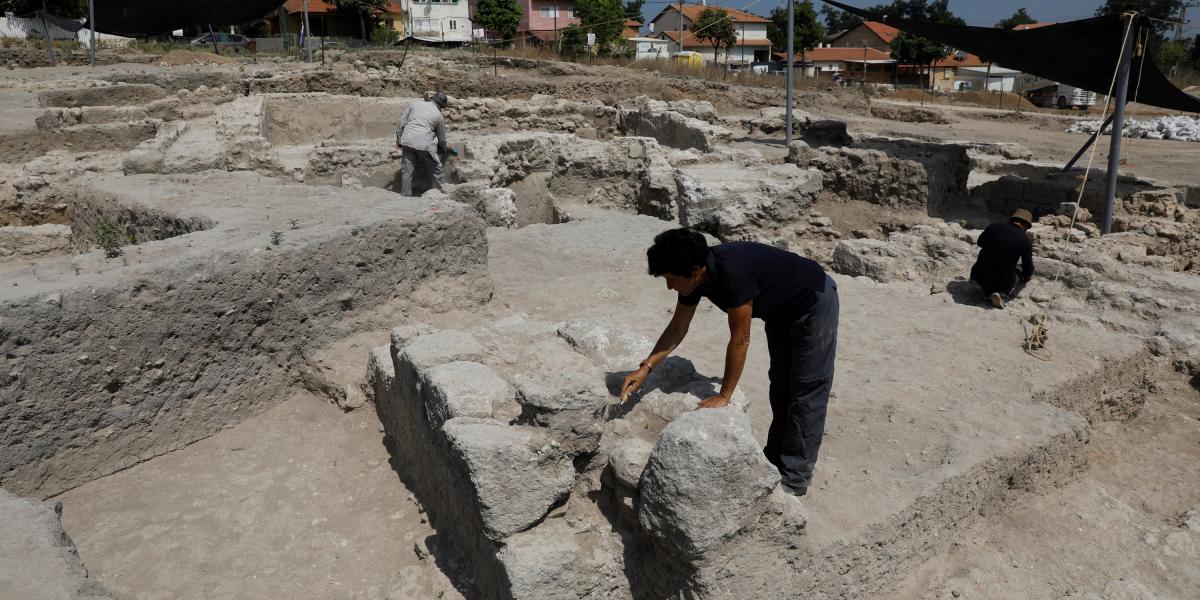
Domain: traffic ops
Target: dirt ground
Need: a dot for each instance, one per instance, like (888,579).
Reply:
(1128,528)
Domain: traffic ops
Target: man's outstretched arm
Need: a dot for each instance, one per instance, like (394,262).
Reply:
(735,354)
(670,339)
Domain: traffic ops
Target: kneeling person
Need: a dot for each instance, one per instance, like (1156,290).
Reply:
(798,303)
(1001,246)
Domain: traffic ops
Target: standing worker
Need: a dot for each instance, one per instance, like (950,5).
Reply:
(421,135)
(1001,245)
(799,304)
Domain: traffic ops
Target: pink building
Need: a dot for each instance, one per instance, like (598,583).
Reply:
(541,18)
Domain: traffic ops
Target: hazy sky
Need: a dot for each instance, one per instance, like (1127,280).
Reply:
(974,12)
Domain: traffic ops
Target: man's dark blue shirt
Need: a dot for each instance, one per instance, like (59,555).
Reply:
(782,284)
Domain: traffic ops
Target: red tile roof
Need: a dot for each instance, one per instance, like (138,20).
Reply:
(1025,26)
(691,40)
(887,33)
(968,60)
(692,12)
(843,54)
(324,6)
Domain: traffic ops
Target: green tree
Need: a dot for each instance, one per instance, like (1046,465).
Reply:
(808,31)
(64,8)
(1169,55)
(1018,18)
(367,11)
(715,26)
(501,16)
(633,10)
(605,18)
(836,19)
(1163,10)
(572,40)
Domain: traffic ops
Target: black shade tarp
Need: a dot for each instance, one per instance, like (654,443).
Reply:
(151,17)
(1080,53)
(63,23)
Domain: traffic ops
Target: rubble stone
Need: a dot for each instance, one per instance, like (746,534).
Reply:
(35,240)
(462,389)
(703,482)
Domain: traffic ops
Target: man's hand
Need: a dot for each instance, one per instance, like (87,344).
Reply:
(633,382)
(713,402)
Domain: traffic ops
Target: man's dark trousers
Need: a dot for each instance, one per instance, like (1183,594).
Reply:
(801,374)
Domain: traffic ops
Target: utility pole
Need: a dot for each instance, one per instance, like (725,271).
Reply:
(1114,149)
(681,25)
(92,29)
(307,33)
(791,37)
(1183,19)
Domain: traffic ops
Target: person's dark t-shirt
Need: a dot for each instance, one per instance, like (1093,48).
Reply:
(1001,245)
(782,284)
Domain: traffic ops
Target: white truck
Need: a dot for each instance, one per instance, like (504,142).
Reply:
(1043,92)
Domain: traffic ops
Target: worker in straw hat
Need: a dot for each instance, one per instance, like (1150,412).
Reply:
(1001,246)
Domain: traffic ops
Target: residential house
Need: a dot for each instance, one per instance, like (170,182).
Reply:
(632,28)
(868,34)
(752,44)
(947,72)
(544,19)
(327,21)
(876,66)
(438,21)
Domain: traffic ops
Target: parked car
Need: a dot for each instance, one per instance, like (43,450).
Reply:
(224,40)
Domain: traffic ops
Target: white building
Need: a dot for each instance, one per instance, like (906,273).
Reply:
(645,48)
(999,79)
(752,44)
(441,21)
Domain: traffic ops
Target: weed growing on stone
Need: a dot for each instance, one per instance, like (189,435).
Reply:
(276,237)
(294,223)
(108,238)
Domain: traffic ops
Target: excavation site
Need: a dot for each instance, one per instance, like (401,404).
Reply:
(239,362)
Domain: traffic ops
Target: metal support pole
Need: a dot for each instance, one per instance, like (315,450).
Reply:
(1114,149)
(49,37)
(1088,144)
(307,33)
(322,39)
(681,25)
(791,37)
(213,36)
(92,29)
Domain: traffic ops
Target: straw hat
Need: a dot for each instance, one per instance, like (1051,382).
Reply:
(1022,215)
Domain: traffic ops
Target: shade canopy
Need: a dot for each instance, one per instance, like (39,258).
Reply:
(1080,53)
(151,17)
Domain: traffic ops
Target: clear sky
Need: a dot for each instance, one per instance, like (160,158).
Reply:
(975,12)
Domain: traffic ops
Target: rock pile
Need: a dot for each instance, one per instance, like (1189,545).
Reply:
(1176,127)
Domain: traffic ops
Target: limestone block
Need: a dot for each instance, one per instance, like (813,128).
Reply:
(545,562)
(605,341)
(668,404)
(703,482)
(876,259)
(674,129)
(381,374)
(36,240)
(37,558)
(497,206)
(424,351)
(825,132)
(516,472)
(628,460)
(462,389)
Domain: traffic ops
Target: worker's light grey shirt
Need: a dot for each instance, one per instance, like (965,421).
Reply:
(422,128)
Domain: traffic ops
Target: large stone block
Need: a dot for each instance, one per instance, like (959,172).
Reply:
(704,481)
(545,563)
(517,473)
(462,389)
(38,560)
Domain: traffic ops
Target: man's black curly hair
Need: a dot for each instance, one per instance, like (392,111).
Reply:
(677,251)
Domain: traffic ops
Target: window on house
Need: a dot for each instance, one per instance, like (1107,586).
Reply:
(547,12)
(947,73)
(453,24)
(571,12)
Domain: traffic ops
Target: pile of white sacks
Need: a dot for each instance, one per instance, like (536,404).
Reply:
(1162,128)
